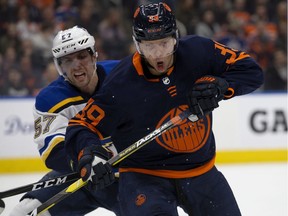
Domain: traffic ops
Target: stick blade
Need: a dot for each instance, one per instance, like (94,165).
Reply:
(2,206)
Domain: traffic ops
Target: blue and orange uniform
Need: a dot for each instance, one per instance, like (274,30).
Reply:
(132,103)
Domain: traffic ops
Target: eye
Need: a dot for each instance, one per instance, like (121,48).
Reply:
(148,46)
(164,43)
(66,61)
(82,56)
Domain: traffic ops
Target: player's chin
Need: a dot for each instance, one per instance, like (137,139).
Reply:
(80,79)
(80,82)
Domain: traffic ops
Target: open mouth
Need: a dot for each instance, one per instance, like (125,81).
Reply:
(80,77)
(160,66)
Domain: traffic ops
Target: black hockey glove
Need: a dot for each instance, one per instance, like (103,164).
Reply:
(93,166)
(205,94)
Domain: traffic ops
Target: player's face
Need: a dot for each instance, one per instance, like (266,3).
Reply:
(80,69)
(158,53)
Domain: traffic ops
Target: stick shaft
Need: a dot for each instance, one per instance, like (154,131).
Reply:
(58,197)
(153,135)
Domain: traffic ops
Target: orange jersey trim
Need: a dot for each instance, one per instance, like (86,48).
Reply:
(73,122)
(230,92)
(175,174)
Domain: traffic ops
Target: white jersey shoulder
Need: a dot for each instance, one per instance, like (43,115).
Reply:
(54,107)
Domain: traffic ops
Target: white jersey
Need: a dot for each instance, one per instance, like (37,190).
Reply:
(55,105)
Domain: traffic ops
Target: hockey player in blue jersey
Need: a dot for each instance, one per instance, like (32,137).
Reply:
(75,58)
(165,76)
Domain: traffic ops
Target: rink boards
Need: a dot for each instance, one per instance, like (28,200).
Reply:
(251,128)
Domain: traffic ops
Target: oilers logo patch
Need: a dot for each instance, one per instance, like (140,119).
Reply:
(185,137)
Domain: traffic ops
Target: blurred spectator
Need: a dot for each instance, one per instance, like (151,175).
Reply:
(66,14)
(49,18)
(276,73)
(221,9)
(9,59)
(239,12)
(7,12)
(31,75)
(10,38)
(28,50)
(281,12)
(99,46)
(15,86)
(37,9)
(2,78)
(90,15)
(115,33)
(187,13)
(206,5)
(27,28)
(261,44)
(260,17)
(232,37)
(43,40)
(207,26)
(49,74)
(281,22)
(231,34)
(181,28)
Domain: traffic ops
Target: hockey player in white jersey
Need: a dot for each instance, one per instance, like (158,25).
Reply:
(81,76)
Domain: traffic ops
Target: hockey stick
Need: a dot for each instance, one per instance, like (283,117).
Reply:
(37,186)
(40,185)
(115,160)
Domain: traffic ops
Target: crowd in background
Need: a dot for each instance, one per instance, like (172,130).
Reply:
(27,29)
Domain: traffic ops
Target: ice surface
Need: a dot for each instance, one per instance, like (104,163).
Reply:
(260,189)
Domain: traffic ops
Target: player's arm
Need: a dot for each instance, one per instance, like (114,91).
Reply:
(232,73)
(238,68)
(84,147)
(82,130)
(49,135)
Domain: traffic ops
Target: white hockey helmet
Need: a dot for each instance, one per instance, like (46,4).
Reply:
(70,41)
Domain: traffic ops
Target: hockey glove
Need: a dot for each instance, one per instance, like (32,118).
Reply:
(205,94)
(93,166)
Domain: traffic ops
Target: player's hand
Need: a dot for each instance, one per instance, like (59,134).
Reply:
(205,94)
(93,166)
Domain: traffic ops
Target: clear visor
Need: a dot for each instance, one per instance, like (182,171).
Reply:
(74,60)
(157,48)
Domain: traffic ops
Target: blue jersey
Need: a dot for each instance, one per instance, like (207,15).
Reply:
(130,105)
(54,106)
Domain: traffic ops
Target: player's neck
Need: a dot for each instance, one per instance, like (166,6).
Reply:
(90,88)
